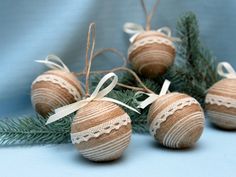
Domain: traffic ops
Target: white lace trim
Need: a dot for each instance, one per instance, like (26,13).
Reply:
(221,101)
(60,81)
(150,40)
(99,130)
(168,111)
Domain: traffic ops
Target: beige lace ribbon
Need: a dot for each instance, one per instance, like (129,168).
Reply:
(170,110)
(96,95)
(101,129)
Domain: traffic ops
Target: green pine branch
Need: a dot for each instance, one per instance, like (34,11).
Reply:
(195,69)
(193,73)
(32,130)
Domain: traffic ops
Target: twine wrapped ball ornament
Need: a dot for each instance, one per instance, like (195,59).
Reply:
(151,53)
(54,88)
(221,98)
(175,120)
(101,130)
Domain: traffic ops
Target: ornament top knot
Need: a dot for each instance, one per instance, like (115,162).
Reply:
(54,88)
(151,52)
(221,98)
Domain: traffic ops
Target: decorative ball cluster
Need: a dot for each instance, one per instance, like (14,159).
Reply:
(101,131)
(151,53)
(176,120)
(54,89)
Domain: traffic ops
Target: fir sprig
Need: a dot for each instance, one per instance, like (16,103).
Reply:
(198,70)
(30,130)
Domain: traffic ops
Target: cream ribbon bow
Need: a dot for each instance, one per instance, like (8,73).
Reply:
(96,95)
(135,29)
(153,97)
(224,69)
(54,62)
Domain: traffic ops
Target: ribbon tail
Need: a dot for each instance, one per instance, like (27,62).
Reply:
(54,62)
(65,110)
(50,64)
(165,87)
(120,103)
(176,39)
(132,38)
(148,101)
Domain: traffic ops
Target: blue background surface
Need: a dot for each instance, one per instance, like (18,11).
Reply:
(31,29)
(214,155)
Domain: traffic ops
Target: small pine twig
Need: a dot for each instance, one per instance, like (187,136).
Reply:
(32,130)
(198,71)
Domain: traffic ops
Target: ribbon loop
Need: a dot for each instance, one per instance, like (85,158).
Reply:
(153,97)
(54,62)
(132,28)
(224,69)
(165,30)
(96,95)
(106,90)
(135,29)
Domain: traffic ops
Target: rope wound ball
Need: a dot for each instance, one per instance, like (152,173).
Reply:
(151,52)
(101,129)
(175,120)
(221,98)
(55,88)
